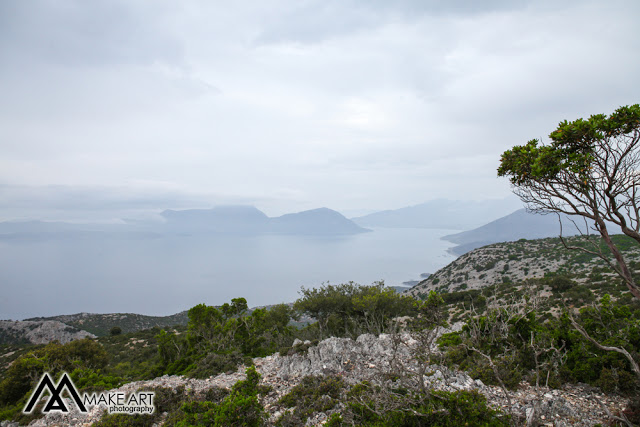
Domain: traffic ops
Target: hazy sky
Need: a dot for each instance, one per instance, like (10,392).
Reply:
(112,108)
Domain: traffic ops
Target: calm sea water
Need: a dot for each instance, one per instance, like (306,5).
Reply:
(165,275)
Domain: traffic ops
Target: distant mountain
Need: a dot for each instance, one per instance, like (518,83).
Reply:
(441,213)
(315,221)
(222,219)
(517,225)
(248,219)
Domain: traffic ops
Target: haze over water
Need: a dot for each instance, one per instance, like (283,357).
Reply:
(168,274)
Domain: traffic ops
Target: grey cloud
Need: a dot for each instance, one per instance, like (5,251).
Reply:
(75,32)
(292,105)
(319,20)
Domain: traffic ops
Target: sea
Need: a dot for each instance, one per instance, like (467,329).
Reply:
(165,274)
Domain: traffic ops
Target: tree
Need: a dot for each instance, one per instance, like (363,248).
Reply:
(590,169)
(350,309)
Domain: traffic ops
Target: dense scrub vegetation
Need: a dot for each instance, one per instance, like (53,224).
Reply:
(523,332)
(349,310)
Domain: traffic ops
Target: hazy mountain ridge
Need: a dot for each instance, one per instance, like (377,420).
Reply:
(441,213)
(220,219)
(248,219)
(315,221)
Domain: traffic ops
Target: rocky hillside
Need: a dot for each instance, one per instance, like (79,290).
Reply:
(101,324)
(372,358)
(39,332)
(513,262)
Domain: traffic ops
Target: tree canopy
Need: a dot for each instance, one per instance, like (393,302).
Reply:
(350,309)
(590,169)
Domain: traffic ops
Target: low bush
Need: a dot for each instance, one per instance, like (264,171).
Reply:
(313,394)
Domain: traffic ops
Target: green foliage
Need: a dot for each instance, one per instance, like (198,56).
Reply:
(499,346)
(215,407)
(560,283)
(449,339)
(350,309)
(429,313)
(313,394)
(240,408)
(563,354)
(116,330)
(219,339)
(571,149)
(368,405)
(94,380)
(54,358)
(611,324)
(218,362)
(133,356)
(166,400)
(589,170)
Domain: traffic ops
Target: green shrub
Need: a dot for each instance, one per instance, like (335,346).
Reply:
(313,394)
(214,363)
(350,309)
(166,400)
(405,408)
(241,407)
(449,339)
(54,358)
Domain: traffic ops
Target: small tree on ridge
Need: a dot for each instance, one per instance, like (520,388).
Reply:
(591,169)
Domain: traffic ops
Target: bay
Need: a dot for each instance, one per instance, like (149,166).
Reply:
(163,275)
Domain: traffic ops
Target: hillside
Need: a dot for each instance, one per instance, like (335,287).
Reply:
(39,332)
(513,262)
(101,324)
(517,225)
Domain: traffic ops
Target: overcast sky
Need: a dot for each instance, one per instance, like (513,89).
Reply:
(112,108)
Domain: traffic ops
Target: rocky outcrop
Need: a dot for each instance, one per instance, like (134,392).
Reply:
(39,332)
(368,358)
